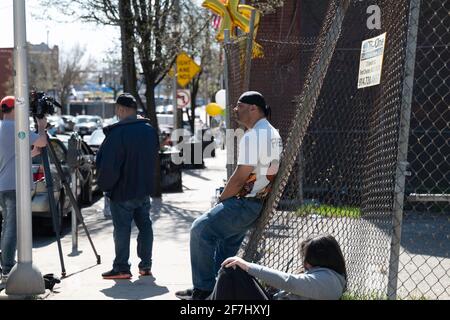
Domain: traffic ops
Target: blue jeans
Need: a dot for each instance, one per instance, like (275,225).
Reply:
(123,213)
(9,230)
(217,235)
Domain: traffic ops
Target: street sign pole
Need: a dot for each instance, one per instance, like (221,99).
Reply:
(186,70)
(174,98)
(24,278)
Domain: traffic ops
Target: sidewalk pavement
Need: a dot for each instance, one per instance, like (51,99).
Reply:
(172,218)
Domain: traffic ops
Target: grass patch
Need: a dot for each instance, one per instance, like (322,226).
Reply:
(329,211)
(377,296)
(367,296)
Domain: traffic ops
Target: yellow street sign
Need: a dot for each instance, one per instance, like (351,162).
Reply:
(186,69)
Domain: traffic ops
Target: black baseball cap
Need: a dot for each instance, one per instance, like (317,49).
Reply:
(256,98)
(127,100)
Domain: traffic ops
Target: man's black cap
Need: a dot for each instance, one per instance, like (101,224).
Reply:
(256,98)
(127,100)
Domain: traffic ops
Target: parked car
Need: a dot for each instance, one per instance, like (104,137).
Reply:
(110,121)
(56,125)
(86,183)
(96,139)
(69,122)
(32,124)
(87,124)
(40,205)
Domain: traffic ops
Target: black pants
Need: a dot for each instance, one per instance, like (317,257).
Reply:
(236,284)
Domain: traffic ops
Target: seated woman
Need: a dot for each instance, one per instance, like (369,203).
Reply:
(325,276)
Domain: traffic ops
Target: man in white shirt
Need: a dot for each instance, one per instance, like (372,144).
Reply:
(218,233)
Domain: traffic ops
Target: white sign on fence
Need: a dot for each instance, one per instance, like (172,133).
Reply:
(183,98)
(371,61)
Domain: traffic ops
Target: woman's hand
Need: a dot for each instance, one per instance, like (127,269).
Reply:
(236,261)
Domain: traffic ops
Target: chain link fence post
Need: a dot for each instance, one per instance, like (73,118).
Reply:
(228,109)
(402,164)
(366,165)
(329,37)
(248,54)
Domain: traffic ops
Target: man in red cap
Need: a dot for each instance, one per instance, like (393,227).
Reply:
(8,178)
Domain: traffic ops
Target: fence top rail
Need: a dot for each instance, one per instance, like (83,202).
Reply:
(429,197)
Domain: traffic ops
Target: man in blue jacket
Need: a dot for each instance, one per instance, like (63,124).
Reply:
(126,163)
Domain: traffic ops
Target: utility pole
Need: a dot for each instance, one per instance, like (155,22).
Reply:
(24,278)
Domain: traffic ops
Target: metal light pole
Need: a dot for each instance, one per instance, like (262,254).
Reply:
(24,278)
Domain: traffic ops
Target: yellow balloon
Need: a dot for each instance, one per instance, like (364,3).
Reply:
(213,109)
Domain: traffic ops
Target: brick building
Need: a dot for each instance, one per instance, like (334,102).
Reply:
(43,68)
(6,72)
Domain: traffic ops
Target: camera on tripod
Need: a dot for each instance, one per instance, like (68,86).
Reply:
(41,104)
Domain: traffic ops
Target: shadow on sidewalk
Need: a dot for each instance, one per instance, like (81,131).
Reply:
(196,174)
(142,288)
(186,216)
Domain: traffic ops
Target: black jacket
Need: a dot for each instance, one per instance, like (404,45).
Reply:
(126,159)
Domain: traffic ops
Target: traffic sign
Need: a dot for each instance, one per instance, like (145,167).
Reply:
(183,98)
(186,69)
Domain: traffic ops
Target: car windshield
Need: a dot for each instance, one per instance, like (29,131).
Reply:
(84,120)
(67,119)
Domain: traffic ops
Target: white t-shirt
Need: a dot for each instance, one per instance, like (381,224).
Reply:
(260,147)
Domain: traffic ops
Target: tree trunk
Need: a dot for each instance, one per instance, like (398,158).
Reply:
(126,34)
(195,87)
(151,103)
(127,41)
(151,114)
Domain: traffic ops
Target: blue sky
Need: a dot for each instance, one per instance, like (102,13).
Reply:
(97,39)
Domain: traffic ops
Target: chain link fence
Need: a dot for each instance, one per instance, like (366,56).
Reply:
(369,166)
(424,268)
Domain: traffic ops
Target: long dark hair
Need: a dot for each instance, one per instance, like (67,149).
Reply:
(323,251)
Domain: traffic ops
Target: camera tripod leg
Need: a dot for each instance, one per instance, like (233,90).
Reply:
(73,201)
(52,204)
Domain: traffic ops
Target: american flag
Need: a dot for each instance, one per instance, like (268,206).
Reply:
(216,21)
